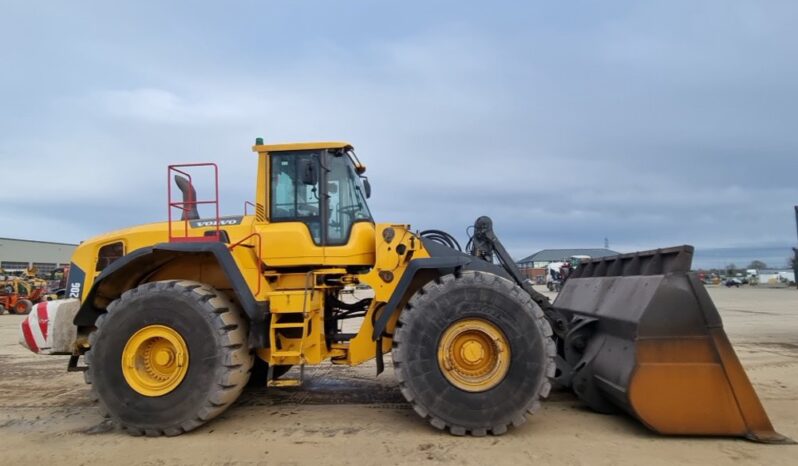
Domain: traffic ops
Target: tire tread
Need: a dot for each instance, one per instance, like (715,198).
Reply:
(231,376)
(423,298)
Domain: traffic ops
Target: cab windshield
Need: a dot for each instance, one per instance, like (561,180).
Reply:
(346,199)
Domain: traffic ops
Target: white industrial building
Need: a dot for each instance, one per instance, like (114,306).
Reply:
(774,276)
(543,258)
(17,254)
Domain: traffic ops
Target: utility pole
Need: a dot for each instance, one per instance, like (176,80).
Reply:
(607,240)
(795,252)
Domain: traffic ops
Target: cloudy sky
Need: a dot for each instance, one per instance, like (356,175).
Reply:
(651,124)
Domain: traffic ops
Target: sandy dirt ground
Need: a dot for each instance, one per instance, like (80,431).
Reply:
(347,416)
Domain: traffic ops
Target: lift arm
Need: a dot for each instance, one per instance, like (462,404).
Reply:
(486,245)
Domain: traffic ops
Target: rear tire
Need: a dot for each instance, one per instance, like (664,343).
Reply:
(425,324)
(23,306)
(218,359)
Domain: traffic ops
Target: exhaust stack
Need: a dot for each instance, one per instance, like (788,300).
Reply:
(190,211)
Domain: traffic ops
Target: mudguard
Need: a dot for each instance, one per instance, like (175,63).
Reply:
(133,267)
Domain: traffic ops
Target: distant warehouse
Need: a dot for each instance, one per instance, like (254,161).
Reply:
(534,266)
(545,257)
(17,254)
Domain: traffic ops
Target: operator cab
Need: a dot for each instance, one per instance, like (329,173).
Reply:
(320,188)
(314,195)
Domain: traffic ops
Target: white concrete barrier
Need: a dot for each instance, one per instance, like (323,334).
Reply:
(48,329)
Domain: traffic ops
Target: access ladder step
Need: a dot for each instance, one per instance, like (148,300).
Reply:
(287,354)
(288,311)
(284,383)
(343,336)
(289,325)
(272,382)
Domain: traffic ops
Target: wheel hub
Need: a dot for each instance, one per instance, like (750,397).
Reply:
(472,352)
(164,357)
(155,360)
(474,355)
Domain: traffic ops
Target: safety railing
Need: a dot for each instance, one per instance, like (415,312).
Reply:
(190,202)
(248,203)
(258,255)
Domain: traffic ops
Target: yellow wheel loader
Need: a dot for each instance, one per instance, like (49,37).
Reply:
(176,317)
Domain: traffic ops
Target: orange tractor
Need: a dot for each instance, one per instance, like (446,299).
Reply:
(17,294)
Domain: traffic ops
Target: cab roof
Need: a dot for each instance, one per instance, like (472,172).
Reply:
(299,146)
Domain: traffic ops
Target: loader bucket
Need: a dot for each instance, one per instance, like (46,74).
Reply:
(644,337)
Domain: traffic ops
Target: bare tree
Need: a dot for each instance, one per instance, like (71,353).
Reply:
(757,264)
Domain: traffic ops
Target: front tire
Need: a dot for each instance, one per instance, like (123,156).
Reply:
(449,367)
(167,357)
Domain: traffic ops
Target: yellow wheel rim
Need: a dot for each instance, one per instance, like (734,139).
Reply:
(155,360)
(474,355)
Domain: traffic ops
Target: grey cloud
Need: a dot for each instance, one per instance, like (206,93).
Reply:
(652,124)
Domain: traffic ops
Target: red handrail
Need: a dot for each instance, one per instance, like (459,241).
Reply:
(260,262)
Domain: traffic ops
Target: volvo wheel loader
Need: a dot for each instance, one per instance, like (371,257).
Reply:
(176,317)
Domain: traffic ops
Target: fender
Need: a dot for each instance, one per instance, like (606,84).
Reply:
(445,260)
(134,267)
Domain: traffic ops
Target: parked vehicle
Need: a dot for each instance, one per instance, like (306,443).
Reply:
(174,318)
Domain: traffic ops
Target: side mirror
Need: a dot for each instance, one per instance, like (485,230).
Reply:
(367,187)
(310,174)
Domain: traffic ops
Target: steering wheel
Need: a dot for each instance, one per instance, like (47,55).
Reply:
(349,209)
(307,210)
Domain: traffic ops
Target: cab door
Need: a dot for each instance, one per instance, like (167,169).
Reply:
(349,228)
(294,233)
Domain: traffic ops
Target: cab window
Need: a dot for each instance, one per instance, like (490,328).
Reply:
(346,200)
(291,199)
(108,254)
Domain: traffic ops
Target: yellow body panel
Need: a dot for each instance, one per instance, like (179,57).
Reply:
(289,244)
(262,190)
(263,148)
(387,261)
(133,238)
(358,251)
(297,295)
